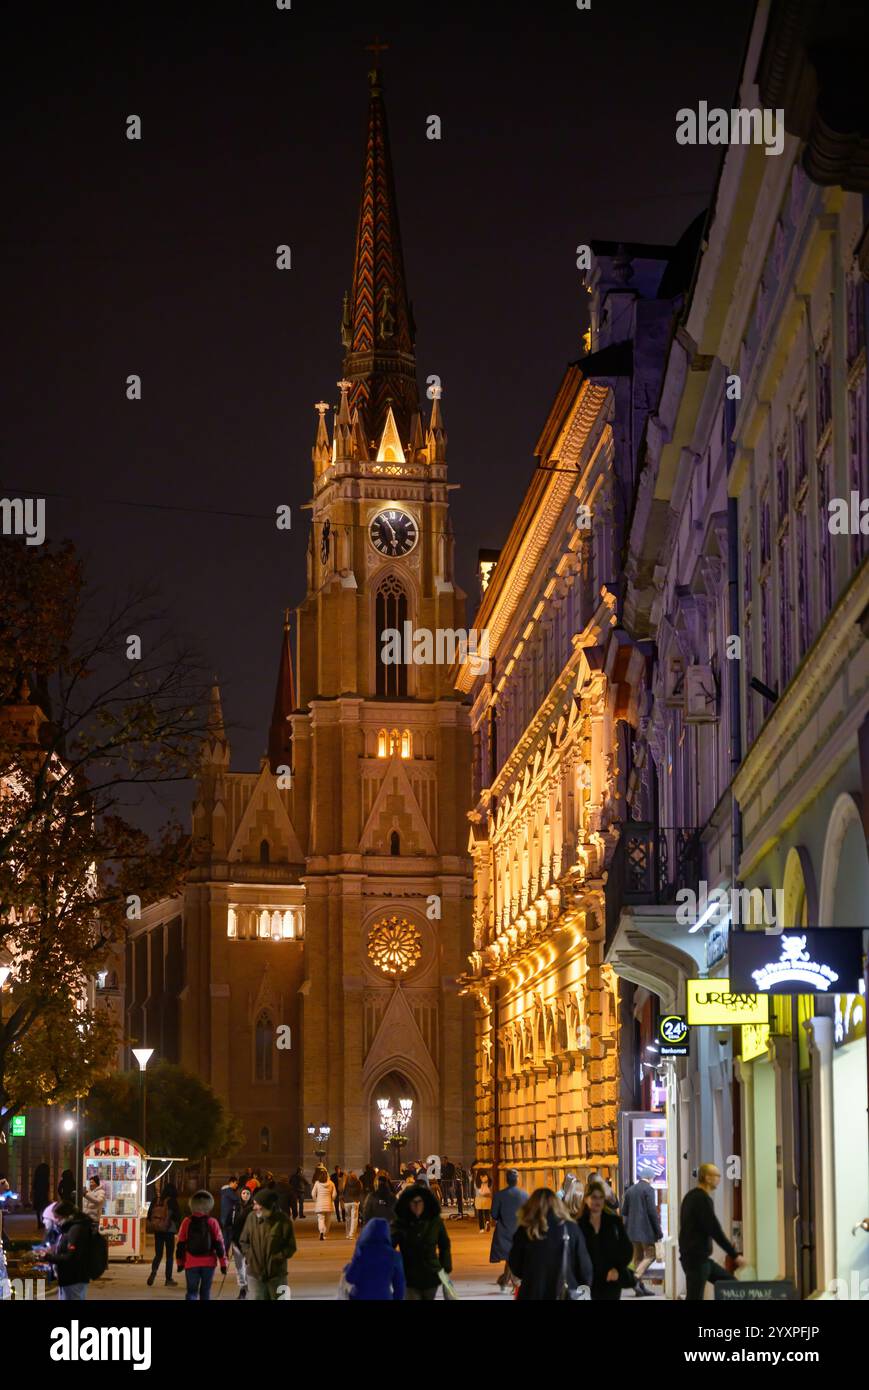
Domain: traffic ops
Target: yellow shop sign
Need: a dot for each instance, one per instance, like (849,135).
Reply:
(755,1040)
(710,1001)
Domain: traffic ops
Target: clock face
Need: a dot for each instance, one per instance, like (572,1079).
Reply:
(393,533)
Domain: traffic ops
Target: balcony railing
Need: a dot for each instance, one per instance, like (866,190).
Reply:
(657,862)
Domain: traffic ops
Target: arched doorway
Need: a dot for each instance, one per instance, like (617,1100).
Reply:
(394,1087)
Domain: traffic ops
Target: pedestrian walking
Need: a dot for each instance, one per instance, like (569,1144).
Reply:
(376,1271)
(640,1215)
(380,1202)
(460,1191)
(40,1189)
(698,1228)
(369,1178)
(483,1198)
(352,1199)
(506,1205)
(420,1235)
(548,1254)
(200,1248)
(323,1196)
(70,1251)
(229,1200)
(242,1212)
(94,1200)
(611,1200)
(164,1220)
(298,1189)
(608,1246)
(282,1188)
(66,1186)
(268,1241)
(338,1179)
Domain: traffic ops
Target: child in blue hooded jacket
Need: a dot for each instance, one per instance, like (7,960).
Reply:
(376,1270)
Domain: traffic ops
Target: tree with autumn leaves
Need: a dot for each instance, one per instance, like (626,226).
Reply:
(91,724)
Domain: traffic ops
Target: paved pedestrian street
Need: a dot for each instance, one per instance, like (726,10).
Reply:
(314,1270)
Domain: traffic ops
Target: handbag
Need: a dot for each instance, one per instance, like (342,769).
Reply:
(582,1293)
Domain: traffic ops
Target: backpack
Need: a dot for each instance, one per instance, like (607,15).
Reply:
(159,1219)
(199,1239)
(98,1254)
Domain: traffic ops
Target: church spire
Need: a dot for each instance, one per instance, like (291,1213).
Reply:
(280,731)
(377,324)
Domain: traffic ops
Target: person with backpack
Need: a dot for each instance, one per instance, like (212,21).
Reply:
(380,1202)
(164,1219)
(200,1247)
(79,1254)
(268,1242)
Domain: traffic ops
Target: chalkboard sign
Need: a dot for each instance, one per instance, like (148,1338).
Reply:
(753,1290)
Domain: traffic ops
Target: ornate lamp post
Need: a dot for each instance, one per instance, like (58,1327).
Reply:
(320,1139)
(395,1124)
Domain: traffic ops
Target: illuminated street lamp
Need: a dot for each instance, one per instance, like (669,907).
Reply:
(395,1124)
(143,1056)
(320,1139)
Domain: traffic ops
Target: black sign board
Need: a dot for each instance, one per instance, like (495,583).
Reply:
(673,1036)
(754,1290)
(798,960)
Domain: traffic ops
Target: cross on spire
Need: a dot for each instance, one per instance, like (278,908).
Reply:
(376,46)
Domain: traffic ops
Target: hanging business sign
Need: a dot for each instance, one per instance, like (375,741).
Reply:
(849,1018)
(673,1036)
(803,961)
(713,1001)
(19,1126)
(755,1040)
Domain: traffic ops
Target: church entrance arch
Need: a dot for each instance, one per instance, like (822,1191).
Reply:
(394,1086)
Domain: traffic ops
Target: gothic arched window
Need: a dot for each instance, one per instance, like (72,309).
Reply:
(391,613)
(395,843)
(264,852)
(263,1054)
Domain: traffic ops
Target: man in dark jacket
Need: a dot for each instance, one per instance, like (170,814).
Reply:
(70,1254)
(298,1192)
(698,1227)
(640,1215)
(268,1241)
(380,1202)
(228,1204)
(369,1178)
(505,1211)
(419,1233)
(448,1180)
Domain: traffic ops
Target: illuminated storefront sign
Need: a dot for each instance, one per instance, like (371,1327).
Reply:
(849,1017)
(712,1001)
(673,1036)
(755,1040)
(802,961)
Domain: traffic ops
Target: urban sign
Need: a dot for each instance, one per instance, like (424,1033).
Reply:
(673,1036)
(802,961)
(713,1001)
(19,1126)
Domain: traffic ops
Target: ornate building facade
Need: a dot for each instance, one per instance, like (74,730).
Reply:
(553,720)
(334,894)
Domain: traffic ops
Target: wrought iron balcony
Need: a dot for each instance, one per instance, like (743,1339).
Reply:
(656,862)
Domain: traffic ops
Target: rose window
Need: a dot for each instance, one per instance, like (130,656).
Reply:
(394,945)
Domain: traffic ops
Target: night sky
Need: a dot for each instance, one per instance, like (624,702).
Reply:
(158,258)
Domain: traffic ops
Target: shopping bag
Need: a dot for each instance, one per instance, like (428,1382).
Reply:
(449,1286)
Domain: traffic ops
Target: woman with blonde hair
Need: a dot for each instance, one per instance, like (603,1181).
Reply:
(548,1255)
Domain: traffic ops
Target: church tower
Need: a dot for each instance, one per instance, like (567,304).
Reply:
(381,750)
